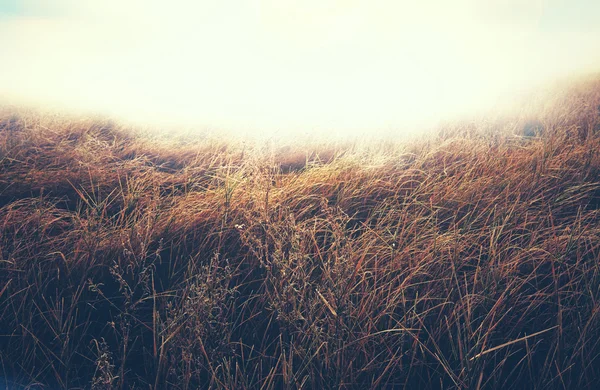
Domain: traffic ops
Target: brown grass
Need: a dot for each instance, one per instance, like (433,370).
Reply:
(468,259)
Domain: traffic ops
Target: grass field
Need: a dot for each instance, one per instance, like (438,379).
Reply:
(466,259)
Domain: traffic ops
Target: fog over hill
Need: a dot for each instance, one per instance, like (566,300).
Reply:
(270,66)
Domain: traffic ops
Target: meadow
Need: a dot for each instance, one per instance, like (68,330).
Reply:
(468,258)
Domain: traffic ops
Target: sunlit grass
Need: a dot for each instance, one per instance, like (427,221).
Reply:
(466,259)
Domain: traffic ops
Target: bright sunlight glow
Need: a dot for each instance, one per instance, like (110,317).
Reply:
(266,66)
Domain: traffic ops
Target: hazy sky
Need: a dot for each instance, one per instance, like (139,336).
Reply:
(288,64)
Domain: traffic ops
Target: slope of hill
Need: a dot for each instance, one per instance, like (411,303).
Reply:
(467,259)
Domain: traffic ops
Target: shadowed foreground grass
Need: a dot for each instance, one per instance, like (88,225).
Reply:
(469,259)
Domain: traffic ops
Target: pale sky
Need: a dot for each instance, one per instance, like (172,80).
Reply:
(282,65)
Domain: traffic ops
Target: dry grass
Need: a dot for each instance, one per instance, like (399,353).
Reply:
(468,260)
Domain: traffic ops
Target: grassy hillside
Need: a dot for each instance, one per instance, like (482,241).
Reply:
(467,259)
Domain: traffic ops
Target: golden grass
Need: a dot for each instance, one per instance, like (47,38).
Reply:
(466,259)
